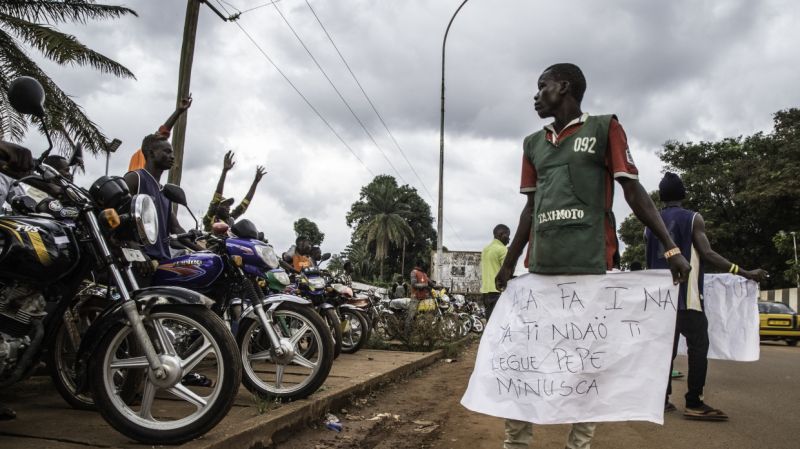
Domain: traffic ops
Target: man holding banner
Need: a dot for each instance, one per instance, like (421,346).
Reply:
(567,174)
(687,230)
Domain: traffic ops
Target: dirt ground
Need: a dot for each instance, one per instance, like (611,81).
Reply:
(423,411)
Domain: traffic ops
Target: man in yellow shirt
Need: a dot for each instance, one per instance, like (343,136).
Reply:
(492,258)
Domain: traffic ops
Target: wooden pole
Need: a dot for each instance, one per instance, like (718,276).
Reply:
(184,82)
(403,263)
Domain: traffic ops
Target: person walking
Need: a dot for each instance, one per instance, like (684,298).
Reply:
(492,258)
(688,231)
(399,288)
(568,169)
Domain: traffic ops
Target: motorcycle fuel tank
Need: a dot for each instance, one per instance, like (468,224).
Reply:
(194,271)
(36,249)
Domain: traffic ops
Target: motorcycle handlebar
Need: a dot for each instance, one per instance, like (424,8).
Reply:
(192,235)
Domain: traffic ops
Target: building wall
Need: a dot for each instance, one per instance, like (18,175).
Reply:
(787,296)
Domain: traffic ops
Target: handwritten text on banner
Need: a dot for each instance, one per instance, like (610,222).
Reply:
(581,348)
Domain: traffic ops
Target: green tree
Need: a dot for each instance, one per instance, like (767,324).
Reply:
(419,219)
(308,228)
(31,23)
(747,190)
(631,232)
(380,216)
(785,244)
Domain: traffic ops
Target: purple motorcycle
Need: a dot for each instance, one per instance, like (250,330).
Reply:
(286,349)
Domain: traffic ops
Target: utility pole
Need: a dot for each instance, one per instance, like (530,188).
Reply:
(184,82)
(403,263)
(439,237)
(794,240)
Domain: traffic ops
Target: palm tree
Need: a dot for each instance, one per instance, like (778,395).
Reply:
(381,217)
(31,23)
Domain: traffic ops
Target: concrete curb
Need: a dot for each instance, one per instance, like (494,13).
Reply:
(258,431)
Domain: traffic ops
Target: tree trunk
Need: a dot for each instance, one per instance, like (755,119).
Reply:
(382,269)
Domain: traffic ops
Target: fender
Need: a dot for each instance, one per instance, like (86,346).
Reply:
(272,301)
(350,306)
(146,299)
(325,305)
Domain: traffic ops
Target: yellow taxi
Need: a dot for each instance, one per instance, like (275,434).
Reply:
(778,322)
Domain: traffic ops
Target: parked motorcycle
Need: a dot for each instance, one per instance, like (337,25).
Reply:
(310,285)
(45,258)
(272,331)
(469,310)
(355,327)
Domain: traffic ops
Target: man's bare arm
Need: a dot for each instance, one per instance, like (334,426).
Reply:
(709,256)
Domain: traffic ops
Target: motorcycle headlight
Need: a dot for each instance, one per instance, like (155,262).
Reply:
(143,211)
(282,277)
(267,254)
(317,283)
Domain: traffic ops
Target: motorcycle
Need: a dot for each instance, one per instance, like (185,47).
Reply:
(273,331)
(355,327)
(310,285)
(45,258)
(473,312)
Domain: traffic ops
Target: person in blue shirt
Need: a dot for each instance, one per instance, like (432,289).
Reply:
(688,230)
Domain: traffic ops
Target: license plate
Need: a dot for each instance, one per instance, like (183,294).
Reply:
(133,255)
(780,322)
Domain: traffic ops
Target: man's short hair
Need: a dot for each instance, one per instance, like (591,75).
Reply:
(500,228)
(420,262)
(300,239)
(149,141)
(571,74)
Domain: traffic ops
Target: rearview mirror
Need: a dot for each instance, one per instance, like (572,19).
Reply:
(175,194)
(26,95)
(76,158)
(325,257)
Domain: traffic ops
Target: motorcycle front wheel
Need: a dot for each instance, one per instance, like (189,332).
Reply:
(477,324)
(358,332)
(335,326)
(292,375)
(187,339)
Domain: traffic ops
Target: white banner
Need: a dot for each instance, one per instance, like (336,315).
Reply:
(731,304)
(581,348)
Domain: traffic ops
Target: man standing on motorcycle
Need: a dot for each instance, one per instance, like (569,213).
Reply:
(138,160)
(159,158)
(219,211)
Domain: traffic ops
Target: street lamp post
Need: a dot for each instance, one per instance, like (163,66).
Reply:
(794,240)
(439,238)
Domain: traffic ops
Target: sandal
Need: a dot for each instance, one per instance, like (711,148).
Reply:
(705,412)
(670,407)
(196,380)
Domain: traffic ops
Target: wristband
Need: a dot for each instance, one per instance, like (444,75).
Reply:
(733,267)
(672,252)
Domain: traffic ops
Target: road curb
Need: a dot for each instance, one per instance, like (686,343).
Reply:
(258,431)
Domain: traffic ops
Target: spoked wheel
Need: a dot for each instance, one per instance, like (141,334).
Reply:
(290,375)
(61,360)
(477,324)
(187,339)
(335,327)
(356,331)
(466,323)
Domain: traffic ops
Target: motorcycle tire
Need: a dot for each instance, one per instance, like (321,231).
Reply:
(224,372)
(477,325)
(254,347)
(61,359)
(359,331)
(335,327)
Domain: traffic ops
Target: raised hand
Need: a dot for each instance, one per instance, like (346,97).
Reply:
(260,172)
(228,163)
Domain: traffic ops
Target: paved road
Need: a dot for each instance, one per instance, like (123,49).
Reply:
(760,397)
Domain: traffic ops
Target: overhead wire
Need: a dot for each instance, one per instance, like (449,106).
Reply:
(338,93)
(379,115)
(302,96)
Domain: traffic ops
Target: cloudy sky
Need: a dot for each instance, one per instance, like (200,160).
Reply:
(680,70)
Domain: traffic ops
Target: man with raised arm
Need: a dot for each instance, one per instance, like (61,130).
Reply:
(688,230)
(568,169)
(219,210)
(138,159)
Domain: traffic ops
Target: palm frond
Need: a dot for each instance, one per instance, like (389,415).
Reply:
(64,117)
(54,12)
(62,48)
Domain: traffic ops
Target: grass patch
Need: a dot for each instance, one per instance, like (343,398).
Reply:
(264,404)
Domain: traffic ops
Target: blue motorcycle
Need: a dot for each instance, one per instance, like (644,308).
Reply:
(285,347)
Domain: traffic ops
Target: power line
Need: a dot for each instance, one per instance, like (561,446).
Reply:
(378,114)
(339,93)
(302,96)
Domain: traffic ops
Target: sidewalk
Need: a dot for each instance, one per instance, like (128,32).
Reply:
(44,420)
